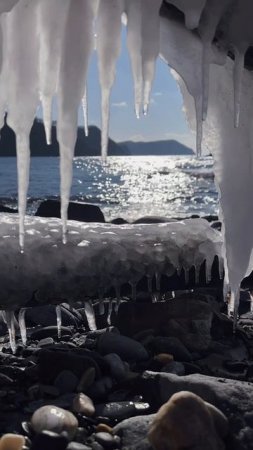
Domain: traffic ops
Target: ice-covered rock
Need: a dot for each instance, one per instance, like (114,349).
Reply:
(96,258)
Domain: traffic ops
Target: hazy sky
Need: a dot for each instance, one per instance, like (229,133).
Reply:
(166,119)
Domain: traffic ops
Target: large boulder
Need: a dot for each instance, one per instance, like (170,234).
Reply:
(77,211)
(232,397)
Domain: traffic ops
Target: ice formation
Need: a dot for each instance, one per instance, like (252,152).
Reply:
(45,50)
(96,258)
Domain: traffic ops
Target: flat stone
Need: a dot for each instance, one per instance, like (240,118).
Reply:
(77,446)
(45,342)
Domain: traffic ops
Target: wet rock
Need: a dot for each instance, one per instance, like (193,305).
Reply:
(185,422)
(171,345)
(66,382)
(107,440)
(121,410)
(84,405)
(48,440)
(117,366)
(53,418)
(133,432)
(12,442)
(164,358)
(128,349)
(104,427)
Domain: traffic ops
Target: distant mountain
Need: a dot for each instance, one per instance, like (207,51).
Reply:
(170,147)
(85,146)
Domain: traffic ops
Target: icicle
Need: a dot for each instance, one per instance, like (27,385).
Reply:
(158,281)
(109,313)
(154,297)
(22,325)
(186,276)
(58,320)
(47,117)
(108,49)
(199,126)
(10,321)
(235,295)
(208,271)
(197,268)
(118,299)
(206,58)
(150,46)
(23,166)
(238,74)
(134,44)
(90,315)
(221,268)
(78,44)
(85,112)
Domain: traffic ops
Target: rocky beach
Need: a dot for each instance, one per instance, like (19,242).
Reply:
(76,388)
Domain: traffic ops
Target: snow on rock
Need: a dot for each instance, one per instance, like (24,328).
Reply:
(96,257)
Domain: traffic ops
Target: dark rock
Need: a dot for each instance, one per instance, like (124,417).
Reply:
(51,331)
(66,381)
(76,211)
(173,346)
(45,315)
(96,446)
(119,221)
(154,219)
(133,432)
(51,363)
(174,367)
(47,440)
(5,380)
(106,440)
(100,389)
(6,209)
(77,446)
(127,348)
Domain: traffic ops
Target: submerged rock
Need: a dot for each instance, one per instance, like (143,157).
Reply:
(76,211)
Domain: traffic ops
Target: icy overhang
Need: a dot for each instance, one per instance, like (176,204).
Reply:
(46,45)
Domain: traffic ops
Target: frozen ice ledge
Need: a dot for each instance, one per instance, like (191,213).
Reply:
(97,257)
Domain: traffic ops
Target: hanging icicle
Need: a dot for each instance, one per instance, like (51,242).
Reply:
(90,315)
(58,320)
(22,325)
(10,322)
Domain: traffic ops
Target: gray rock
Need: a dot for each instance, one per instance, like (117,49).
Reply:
(133,432)
(121,410)
(52,418)
(100,388)
(77,446)
(84,405)
(66,381)
(232,397)
(174,367)
(46,342)
(128,349)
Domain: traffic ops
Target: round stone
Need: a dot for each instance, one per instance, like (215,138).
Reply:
(52,418)
(12,442)
(83,404)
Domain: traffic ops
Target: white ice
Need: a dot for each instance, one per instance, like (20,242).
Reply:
(125,253)
(22,325)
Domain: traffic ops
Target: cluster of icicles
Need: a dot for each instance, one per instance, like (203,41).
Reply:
(46,47)
(10,319)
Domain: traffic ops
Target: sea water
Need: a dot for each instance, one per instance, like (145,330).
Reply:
(129,187)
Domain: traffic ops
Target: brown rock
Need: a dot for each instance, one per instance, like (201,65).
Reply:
(52,418)
(185,421)
(12,442)
(104,428)
(164,358)
(83,404)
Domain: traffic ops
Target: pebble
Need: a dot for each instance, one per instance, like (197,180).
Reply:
(164,358)
(53,418)
(12,442)
(66,381)
(77,446)
(121,410)
(45,342)
(83,404)
(107,440)
(104,427)
(48,440)
(128,349)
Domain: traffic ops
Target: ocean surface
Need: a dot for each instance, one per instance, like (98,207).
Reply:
(127,187)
